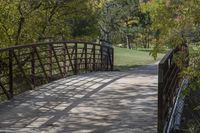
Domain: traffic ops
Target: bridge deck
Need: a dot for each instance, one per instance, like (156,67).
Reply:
(102,102)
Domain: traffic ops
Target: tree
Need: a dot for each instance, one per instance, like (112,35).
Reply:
(27,21)
(121,19)
(178,23)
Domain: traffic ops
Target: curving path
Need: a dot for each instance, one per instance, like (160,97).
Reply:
(102,102)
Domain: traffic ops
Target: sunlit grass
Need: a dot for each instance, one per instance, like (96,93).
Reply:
(125,58)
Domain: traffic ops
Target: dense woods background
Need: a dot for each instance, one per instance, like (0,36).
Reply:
(27,21)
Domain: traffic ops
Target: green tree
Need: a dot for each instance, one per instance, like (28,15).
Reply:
(176,23)
(27,21)
(121,20)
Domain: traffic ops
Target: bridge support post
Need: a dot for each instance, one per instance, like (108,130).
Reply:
(94,59)
(11,73)
(64,61)
(101,57)
(112,61)
(86,59)
(50,60)
(33,67)
(160,97)
(107,59)
(75,59)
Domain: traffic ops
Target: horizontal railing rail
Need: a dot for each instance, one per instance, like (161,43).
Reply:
(24,67)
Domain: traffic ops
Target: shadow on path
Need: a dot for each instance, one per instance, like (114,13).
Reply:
(113,102)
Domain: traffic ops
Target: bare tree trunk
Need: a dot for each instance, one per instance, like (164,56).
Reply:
(127,37)
(148,40)
(20,24)
(128,42)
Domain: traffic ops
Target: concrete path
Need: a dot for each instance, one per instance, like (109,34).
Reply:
(102,102)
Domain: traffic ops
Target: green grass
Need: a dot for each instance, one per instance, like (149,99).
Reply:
(125,58)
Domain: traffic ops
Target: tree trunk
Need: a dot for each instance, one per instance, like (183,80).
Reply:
(128,42)
(148,32)
(127,37)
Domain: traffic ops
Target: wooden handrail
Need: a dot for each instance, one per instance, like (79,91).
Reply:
(45,43)
(40,63)
(168,81)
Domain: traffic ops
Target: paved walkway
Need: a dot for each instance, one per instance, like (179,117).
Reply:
(102,102)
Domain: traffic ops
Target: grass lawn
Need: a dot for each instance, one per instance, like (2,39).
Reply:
(125,58)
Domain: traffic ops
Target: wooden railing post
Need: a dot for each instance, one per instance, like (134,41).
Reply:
(107,57)
(50,61)
(112,59)
(11,73)
(33,66)
(94,58)
(64,60)
(75,59)
(86,59)
(160,99)
(101,56)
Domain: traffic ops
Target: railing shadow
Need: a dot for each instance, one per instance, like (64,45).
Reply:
(97,102)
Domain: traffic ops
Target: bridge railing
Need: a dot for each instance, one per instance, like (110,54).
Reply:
(168,85)
(24,67)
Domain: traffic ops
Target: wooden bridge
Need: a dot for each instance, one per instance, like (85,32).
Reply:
(49,99)
(26,66)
